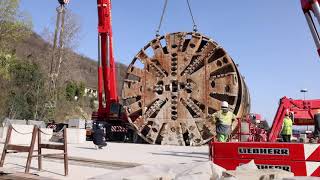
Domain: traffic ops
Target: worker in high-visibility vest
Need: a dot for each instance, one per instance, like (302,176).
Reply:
(223,120)
(316,131)
(286,128)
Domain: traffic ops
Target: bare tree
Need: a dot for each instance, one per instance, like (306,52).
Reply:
(64,40)
(68,37)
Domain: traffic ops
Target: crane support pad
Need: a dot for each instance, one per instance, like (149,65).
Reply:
(301,159)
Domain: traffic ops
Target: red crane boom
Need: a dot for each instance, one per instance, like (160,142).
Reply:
(107,84)
(303,110)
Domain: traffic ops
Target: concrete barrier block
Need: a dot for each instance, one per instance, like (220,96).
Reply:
(77,123)
(21,134)
(40,124)
(46,135)
(3,134)
(7,122)
(76,136)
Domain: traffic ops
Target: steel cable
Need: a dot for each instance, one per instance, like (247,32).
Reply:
(44,132)
(195,28)
(18,131)
(162,15)
(64,127)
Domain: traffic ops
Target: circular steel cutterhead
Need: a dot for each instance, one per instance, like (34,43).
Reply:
(175,82)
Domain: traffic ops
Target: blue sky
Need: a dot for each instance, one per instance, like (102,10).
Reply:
(270,40)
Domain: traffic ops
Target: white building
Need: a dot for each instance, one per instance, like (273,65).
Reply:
(90,92)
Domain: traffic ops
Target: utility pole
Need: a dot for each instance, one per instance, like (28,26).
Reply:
(56,58)
(304,91)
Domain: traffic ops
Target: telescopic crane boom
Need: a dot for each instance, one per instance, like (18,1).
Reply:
(107,84)
(310,7)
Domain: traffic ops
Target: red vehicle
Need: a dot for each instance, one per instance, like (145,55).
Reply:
(299,158)
(303,112)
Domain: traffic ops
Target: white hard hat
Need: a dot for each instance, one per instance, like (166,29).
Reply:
(64,1)
(287,112)
(224,104)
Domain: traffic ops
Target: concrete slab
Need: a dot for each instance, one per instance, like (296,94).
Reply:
(76,136)
(21,134)
(141,153)
(116,156)
(190,171)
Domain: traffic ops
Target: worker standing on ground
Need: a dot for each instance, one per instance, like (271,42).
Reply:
(99,136)
(316,131)
(286,128)
(223,120)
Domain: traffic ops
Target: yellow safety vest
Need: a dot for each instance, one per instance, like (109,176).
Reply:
(224,118)
(287,126)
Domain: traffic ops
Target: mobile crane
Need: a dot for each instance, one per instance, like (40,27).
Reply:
(110,111)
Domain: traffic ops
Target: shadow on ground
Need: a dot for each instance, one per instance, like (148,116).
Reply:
(21,168)
(184,154)
(90,148)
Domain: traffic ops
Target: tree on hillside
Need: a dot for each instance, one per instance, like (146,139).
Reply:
(14,24)
(26,91)
(6,62)
(22,92)
(74,91)
(14,27)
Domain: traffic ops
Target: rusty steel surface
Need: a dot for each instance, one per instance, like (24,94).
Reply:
(175,82)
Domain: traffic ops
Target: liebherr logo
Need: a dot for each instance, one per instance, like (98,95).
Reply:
(267,166)
(264,151)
